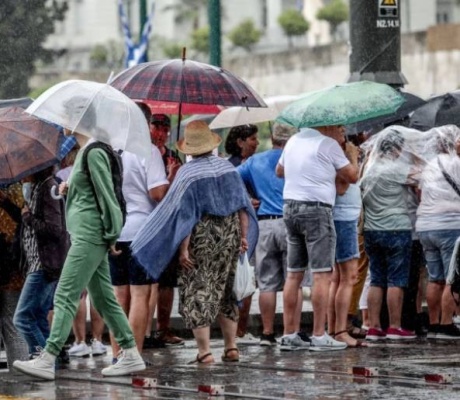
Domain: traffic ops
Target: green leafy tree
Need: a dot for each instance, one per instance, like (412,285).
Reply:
(245,35)
(293,23)
(172,49)
(99,56)
(24,27)
(334,13)
(200,40)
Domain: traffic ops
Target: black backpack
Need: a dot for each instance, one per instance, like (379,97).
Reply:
(116,167)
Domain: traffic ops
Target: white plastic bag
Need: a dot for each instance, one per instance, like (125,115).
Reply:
(245,281)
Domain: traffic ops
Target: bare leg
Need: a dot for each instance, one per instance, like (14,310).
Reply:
(228,328)
(202,336)
(79,323)
(394,300)
(434,291)
(374,304)
(97,324)
(152,305)
(267,305)
(164,307)
(290,299)
(331,301)
(319,297)
(298,312)
(140,295)
(447,306)
(244,317)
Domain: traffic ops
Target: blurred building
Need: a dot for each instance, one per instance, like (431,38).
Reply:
(91,32)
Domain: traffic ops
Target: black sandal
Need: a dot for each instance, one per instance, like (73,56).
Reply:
(200,360)
(226,358)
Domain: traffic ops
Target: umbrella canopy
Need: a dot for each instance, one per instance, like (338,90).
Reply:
(412,103)
(22,102)
(166,107)
(439,111)
(27,144)
(185,82)
(96,110)
(235,116)
(342,105)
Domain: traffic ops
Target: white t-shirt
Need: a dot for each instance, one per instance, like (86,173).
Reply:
(138,179)
(310,162)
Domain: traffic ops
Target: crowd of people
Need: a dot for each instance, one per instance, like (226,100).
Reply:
(364,216)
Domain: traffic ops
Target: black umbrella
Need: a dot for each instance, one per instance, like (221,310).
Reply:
(22,102)
(439,111)
(412,103)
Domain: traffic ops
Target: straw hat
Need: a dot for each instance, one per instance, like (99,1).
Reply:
(198,139)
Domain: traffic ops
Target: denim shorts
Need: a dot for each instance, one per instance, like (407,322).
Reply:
(389,255)
(124,269)
(310,236)
(347,247)
(438,247)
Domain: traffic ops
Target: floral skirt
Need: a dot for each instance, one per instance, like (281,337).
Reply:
(206,291)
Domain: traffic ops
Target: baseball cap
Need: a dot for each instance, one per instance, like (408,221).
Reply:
(160,119)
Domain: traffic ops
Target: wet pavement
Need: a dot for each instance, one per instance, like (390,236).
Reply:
(262,373)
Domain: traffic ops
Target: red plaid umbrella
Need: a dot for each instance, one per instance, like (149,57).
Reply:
(185,82)
(27,144)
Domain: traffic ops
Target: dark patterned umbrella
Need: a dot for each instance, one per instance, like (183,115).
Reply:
(27,145)
(185,82)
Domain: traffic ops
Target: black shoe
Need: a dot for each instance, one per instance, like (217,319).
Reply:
(448,332)
(303,335)
(268,340)
(432,331)
(63,358)
(153,343)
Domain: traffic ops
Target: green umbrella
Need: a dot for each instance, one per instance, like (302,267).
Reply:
(342,105)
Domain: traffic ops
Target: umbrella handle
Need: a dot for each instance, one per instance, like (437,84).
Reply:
(54,194)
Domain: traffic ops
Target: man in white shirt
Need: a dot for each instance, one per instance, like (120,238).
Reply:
(311,161)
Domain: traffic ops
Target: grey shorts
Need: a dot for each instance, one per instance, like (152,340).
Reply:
(311,237)
(271,253)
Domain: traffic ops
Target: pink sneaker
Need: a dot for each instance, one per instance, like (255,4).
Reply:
(375,334)
(400,334)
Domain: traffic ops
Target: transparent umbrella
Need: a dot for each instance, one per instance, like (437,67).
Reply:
(96,110)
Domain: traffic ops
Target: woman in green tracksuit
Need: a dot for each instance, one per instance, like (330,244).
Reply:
(94,221)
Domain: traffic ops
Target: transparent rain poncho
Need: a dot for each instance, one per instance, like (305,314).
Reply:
(399,157)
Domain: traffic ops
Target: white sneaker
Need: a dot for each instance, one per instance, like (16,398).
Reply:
(292,344)
(97,348)
(128,361)
(456,320)
(39,367)
(326,343)
(79,350)
(247,339)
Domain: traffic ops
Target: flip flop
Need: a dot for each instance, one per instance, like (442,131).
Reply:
(200,360)
(226,358)
(359,342)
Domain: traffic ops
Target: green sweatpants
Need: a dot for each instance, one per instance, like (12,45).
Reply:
(86,266)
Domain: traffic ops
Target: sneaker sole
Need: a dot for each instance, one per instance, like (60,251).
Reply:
(131,370)
(99,354)
(85,355)
(397,337)
(447,337)
(36,373)
(326,348)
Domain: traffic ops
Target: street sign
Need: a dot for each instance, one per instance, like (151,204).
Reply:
(388,8)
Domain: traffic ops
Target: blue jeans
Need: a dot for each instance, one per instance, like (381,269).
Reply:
(30,318)
(389,255)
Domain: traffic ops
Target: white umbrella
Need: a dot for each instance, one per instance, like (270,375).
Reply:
(235,116)
(96,110)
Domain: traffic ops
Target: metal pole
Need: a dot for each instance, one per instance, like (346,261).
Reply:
(142,19)
(214,32)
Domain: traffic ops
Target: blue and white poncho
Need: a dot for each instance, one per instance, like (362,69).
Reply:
(207,185)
